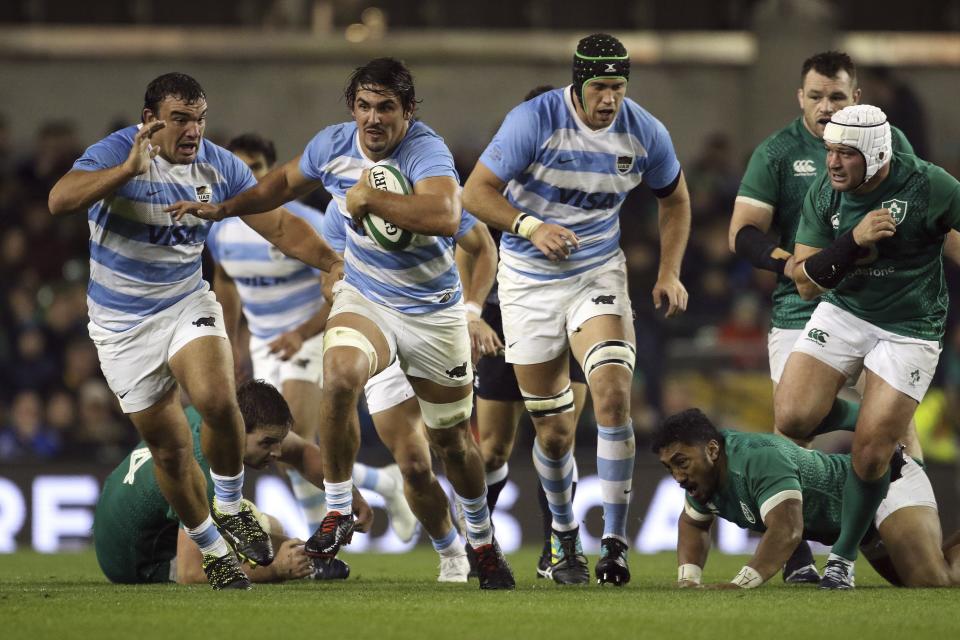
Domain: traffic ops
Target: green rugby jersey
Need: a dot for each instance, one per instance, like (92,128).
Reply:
(134,528)
(763,470)
(778,175)
(899,286)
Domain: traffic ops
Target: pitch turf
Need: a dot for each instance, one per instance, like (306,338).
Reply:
(396,596)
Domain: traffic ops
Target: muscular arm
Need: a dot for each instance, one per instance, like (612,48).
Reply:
(951,247)
(483,197)
(282,184)
(476,256)
(433,209)
(745,214)
(294,237)
(77,190)
(693,542)
(784,531)
(674,216)
(807,288)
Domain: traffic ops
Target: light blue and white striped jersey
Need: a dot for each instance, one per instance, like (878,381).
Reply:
(141,260)
(277,293)
(419,279)
(563,172)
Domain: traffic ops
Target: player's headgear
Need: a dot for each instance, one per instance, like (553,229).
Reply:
(599,56)
(865,128)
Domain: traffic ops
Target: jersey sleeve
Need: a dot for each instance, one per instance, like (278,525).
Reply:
(238,176)
(467,222)
(334,229)
(106,154)
(662,165)
(426,156)
(759,183)
(814,230)
(773,478)
(514,147)
(316,155)
(696,510)
(899,142)
(945,198)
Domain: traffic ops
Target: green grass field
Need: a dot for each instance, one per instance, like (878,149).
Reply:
(65,596)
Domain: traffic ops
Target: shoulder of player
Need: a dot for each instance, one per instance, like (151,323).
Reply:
(419,133)
(212,153)
(635,116)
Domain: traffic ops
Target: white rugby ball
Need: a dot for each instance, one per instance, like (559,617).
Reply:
(387,234)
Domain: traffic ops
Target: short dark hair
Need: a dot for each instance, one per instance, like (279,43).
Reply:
(689,427)
(178,85)
(538,91)
(253,143)
(829,64)
(390,74)
(262,405)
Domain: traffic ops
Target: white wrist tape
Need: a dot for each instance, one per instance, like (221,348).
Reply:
(473,307)
(525,224)
(748,578)
(689,573)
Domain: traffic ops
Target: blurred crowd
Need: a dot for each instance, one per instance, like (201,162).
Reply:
(54,402)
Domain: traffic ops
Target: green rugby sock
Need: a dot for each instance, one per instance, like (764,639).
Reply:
(860,502)
(842,417)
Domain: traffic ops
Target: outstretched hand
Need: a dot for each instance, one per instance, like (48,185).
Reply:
(182,208)
(143,151)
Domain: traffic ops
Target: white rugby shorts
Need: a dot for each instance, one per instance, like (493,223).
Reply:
(847,343)
(540,315)
(434,346)
(306,364)
(912,489)
(135,362)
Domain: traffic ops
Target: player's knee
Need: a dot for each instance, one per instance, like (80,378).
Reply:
(928,576)
(555,442)
(417,473)
(450,444)
(349,358)
(871,459)
(219,410)
(794,420)
(495,455)
(174,459)
(611,401)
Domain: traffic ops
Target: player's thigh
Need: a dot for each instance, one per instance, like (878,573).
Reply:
(164,425)
(885,415)
(199,353)
(387,390)
(357,332)
(779,345)
(604,346)
(805,393)
(912,538)
(544,379)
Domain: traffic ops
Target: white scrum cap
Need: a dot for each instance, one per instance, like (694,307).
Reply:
(865,128)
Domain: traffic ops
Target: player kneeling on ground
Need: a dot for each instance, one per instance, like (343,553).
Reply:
(768,484)
(139,539)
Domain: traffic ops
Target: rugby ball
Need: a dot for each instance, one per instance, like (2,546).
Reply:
(386,234)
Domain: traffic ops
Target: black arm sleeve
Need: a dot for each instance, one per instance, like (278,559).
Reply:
(757,248)
(663,192)
(828,267)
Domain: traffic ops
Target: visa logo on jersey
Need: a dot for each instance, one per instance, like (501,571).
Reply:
(587,201)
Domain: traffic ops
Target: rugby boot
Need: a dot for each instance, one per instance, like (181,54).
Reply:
(800,567)
(335,531)
(492,567)
(471,560)
(243,532)
(612,567)
(223,572)
(543,563)
(454,568)
(330,569)
(837,573)
(568,565)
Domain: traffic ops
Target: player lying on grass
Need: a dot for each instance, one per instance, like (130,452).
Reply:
(766,483)
(138,537)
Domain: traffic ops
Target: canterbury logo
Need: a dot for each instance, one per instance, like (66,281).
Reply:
(804,168)
(818,335)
